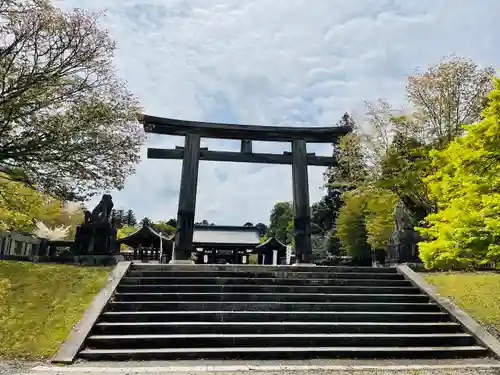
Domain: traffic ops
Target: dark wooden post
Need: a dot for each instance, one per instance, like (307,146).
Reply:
(187,199)
(246,146)
(302,214)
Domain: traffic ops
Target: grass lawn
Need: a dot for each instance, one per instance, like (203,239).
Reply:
(476,293)
(40,303)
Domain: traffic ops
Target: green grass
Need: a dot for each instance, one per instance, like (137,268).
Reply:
(40,303)
(476,293)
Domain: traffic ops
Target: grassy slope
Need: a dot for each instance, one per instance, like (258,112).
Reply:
(476,293)
(40,303)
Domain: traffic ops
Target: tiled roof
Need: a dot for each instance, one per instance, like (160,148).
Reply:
(217,234)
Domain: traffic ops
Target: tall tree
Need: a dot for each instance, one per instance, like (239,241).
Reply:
(351,228)
(280,221)
(465,231)
(449,94)
(130,219)
(350,168)
(67,124)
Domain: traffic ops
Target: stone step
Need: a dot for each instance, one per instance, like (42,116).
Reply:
(260,281)
(123,288)
(292,353)
(122,328)
(267,274)
(298,340)
(257,268)
(272,316)
(269,306)
(272,297)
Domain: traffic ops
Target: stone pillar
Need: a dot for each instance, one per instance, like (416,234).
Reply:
(302,211)
(275,257)
(187,200)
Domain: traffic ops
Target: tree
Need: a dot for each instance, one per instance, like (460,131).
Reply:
(67,124)
(262,228)
(119,218)
(57,214)
(164,228)
(465,230)
(248,224)
(281,222)
(404,168)
(449,94)
(145,221)
(172,223)
(19,206)
(379,216)
(351,228)
(130,219)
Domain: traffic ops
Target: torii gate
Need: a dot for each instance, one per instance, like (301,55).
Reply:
(191,154)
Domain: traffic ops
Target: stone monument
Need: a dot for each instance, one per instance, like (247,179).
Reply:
(96,236)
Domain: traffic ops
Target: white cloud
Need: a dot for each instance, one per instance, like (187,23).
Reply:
(301,62)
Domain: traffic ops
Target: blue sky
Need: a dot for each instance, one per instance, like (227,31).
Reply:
(279,62)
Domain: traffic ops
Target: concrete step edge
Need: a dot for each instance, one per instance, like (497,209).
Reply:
(341,324)
(287,349)
(272,312)
(280,335)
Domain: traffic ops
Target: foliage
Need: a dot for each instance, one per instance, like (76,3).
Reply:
(449,94)
(40,304)
(379,216)
(164,228)
(123,218)
(52,234)
(19,206)
(466,230)
(67,124)
(281,222)
(366,221)
(125,231)
(475,293)
(319,248)
(404,167)
(351,226)
(146,221)
(56,214)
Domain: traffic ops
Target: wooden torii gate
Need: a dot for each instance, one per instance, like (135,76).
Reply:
(192,153)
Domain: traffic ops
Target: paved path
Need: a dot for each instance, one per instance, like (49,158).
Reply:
(469,367)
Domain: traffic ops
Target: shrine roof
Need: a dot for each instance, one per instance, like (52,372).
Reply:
(225,235)
(144,236)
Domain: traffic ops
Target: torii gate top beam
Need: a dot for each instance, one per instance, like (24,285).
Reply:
(161,125)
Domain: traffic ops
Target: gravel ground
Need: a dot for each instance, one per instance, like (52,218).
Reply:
(18,367)
(315,372)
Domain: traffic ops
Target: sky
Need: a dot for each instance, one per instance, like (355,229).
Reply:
(279,62)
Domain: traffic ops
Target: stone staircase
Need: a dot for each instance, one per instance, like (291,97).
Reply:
(265,312)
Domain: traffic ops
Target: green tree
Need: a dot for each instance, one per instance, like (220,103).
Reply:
(19,206)
(67,124)
(130,219)
(351,227)
(379,214)
(146,221)
(164,228)
(281,222)
(465,231)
